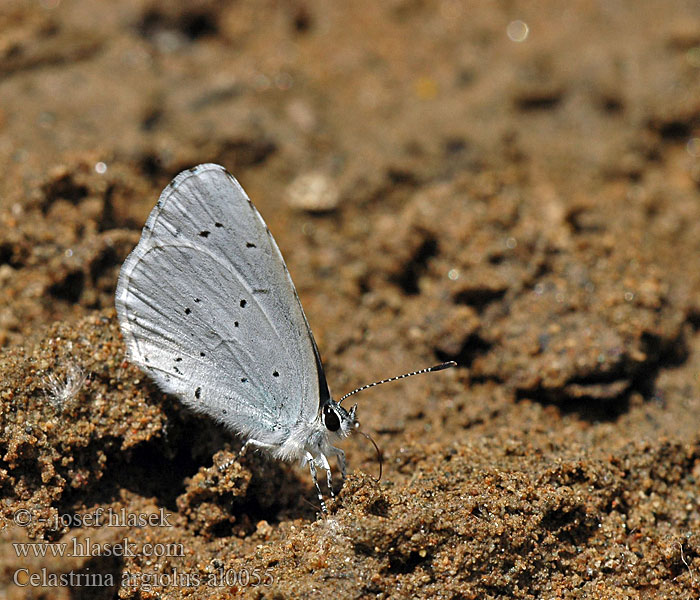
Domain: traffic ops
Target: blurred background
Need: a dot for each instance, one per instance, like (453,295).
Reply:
(511,185)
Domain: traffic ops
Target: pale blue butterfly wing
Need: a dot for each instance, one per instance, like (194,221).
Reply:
(209,311)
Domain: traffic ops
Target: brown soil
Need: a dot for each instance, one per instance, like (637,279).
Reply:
(529,209)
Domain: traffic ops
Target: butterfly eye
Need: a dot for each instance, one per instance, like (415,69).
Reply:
(330,419)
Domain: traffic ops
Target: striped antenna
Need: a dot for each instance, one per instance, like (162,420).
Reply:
(440,367)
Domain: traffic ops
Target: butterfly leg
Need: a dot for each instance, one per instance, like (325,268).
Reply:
(329,476)
(256,444)
(312,468)
(341,465)
(224,466)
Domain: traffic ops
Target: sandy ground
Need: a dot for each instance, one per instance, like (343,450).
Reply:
(514,186)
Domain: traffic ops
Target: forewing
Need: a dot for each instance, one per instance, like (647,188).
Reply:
(209,311)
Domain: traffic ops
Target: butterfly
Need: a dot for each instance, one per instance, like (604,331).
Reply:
(208,310)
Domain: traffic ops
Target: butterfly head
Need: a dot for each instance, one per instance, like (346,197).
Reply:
(338,420)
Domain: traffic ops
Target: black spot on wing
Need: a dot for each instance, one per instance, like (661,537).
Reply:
(235,323)
(187,311)
(202,354)
(198,393)
(244,379)
(196,300)
(243,303)
(250,245)
(217,224)
(275,374)
(204,234)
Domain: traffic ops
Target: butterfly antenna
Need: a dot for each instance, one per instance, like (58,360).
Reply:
(312,505)
(380,458)
(440,367)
